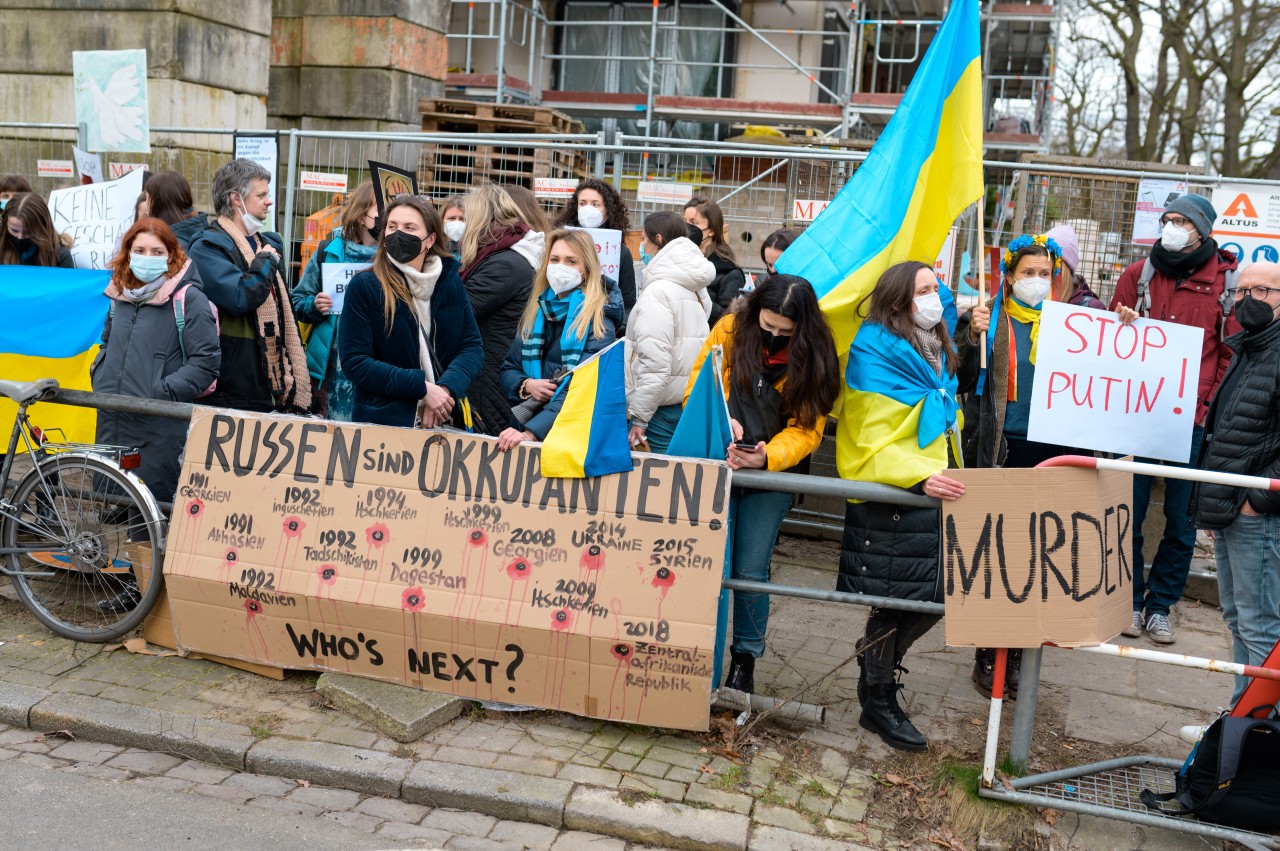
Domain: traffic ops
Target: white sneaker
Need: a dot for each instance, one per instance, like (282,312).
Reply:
(1159,630)
(1192,733)
(1134,629)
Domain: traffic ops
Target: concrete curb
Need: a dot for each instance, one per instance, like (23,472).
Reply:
(561,804)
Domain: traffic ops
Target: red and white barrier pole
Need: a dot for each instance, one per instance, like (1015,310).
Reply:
(993,721)
(1144,655)
(1163,471)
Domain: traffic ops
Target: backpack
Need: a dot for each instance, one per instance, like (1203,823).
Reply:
(1231,777)
(179,301)
(1143,302)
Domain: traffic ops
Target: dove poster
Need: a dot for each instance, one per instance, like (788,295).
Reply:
(95,216)
(111,100)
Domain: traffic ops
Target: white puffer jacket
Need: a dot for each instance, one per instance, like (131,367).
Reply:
(666,328)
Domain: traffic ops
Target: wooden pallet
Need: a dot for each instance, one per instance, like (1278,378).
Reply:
(448,115)
(456,169)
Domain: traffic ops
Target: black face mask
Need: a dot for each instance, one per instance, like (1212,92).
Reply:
(402,247)
(23,245)
(376,229)
(774,343)
(1253,314)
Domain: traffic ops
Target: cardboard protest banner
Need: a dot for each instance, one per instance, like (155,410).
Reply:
(334,278)
(431,559)
(608,248)
(264,149)
(1248,222)
(158,629)
(1032,556)
(89,165)
(1154,194)
(96,216)
(111,100)
(1129,389)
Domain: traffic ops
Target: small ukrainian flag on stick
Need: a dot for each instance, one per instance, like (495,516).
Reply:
(589,436)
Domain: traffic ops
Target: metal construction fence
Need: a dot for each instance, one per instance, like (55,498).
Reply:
(759,187)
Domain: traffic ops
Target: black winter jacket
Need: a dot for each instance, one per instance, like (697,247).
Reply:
(1242,431)
(498,290)
(724,288)
(891,551)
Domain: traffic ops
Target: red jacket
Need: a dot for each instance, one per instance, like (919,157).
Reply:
(1196,301)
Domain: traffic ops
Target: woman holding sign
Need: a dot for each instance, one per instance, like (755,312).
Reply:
(1000,400)
(780,375)
(407,336)
(900,426)
(596,204)
(573,312)
(355,242)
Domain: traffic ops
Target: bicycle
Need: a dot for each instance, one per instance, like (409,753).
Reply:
(83,538)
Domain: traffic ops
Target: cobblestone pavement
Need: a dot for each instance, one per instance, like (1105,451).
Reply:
(774,788)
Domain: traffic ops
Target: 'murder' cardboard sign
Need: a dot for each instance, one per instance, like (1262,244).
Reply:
(1035,556)
(431,559)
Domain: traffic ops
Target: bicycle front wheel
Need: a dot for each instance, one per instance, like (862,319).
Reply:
(84,547)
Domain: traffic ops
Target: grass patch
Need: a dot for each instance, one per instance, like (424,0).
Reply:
(264,727)
(814,787)
(969,814)
(729,779)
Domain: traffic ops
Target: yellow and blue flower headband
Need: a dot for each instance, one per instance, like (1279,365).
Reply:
(1055,251)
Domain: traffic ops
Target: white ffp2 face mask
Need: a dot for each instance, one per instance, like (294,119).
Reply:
(454,229)
(928,312)
(1173,237)
(563,279)
(590,217)
(1031,291)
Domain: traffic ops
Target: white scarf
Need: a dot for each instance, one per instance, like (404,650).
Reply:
(421,286)
(144,293)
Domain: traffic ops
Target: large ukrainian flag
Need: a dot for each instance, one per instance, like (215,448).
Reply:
(589,436)
(922,173)
(50,326)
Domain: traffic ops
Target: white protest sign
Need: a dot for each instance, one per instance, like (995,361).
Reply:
(89,165)
(1128,389)
(1248,221)
(554,187)
(806,210)
(608,249)
(1153,196)
(663,193)
(334,278)
(265,151)
(946,260)
(95,216)
(55,168)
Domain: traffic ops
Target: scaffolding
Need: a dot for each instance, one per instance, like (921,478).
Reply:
(713,68)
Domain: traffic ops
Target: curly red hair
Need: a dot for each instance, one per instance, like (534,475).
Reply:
(122,276)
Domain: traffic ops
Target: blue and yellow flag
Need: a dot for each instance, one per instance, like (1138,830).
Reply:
(703,430)
(924,170)
(589,436)
(50,327)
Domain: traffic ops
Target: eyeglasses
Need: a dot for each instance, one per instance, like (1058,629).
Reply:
(1175,220)
(1255,292)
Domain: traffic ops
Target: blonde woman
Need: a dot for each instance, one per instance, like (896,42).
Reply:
(572,313)
(407,338)
(499,257)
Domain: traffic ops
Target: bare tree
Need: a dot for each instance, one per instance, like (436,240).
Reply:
(1088,101)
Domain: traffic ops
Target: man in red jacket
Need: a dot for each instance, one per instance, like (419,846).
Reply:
(1185,281)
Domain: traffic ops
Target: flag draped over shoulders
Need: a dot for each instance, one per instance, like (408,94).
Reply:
(924,170)
(50,327)
(899,414)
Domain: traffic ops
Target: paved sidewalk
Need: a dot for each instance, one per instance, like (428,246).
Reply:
(834,787)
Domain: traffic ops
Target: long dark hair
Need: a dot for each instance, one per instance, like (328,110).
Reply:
(890,305)
(664,226)
(171,199)
(719,246)
(394,287)
(812,380)
(780,239)
(615,210)
(37,226)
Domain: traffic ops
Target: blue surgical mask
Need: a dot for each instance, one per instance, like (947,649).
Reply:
(4,202)
(645,257)
(146,268)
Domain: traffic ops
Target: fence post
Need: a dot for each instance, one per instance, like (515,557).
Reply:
(1024,713)
(601,141)
(290,181)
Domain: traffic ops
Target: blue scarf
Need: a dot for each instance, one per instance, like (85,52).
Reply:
(564,311)
(884,363)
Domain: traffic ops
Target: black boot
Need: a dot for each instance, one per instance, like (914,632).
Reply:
(742,673)
(882,715)
(1013,676)
(984,670)
(862,673)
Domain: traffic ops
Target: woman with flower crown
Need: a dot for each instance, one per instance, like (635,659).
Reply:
(995,433)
